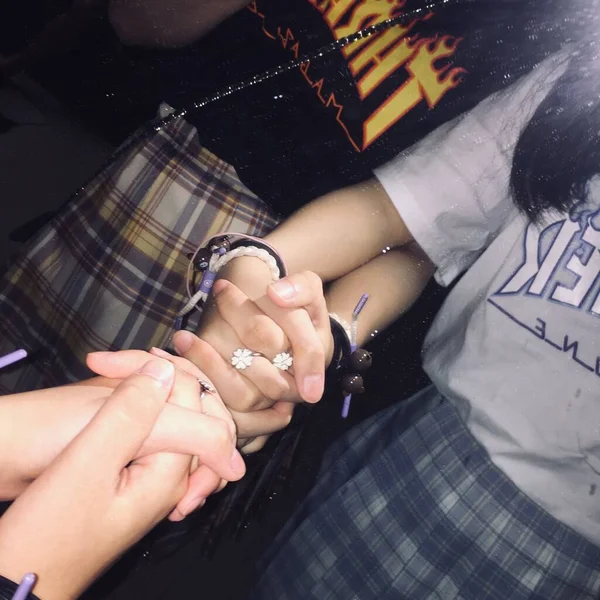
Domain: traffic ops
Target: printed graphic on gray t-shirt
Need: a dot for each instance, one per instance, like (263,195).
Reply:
(517,348)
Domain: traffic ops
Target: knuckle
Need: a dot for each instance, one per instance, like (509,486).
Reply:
(242,402)
(313,281)
(221,434)
(187,366)
(261,334)
(135,395)
(258,403)
(276,388)
(310,351)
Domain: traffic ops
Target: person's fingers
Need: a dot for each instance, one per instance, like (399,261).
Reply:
(201,484)
(120,364)
(165,474)
(116,365)
(216,448)
(306,343)
(305,291)
(238,392)
(126,419)
(302,290)
(270,382)
(256,445)
(263,422)
(252,326)
(168,466)
(184,431)
(159,481)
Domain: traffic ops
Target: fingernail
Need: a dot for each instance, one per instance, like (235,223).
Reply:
(237,462)
(100,353)
(183,341)
(160,370)
(161,353)
(313,387)
(284,289)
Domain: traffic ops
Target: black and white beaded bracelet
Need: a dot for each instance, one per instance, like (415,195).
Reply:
(219,251)
(349,363)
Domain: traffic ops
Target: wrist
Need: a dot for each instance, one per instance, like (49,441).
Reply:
(248,273)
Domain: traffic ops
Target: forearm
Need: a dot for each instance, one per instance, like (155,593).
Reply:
(33,431)
(341,231)
(332,236)
(168,23)
(394,281)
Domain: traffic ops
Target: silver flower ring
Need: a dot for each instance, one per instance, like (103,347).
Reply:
(283,361)
(242,358)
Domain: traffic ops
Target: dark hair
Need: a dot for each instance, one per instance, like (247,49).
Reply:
(559,150)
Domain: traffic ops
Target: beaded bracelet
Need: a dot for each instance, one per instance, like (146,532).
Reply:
(349,362)
(220,250)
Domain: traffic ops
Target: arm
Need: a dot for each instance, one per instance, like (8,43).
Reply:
(352,226)
(172,23)
(394,281)
(36,426)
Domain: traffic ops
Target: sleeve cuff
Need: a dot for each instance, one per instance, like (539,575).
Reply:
(420,226)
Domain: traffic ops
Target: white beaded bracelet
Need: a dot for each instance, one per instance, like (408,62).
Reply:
(219,259)
(344,324)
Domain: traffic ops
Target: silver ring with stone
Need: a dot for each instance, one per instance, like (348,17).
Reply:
(242,358)
(206,388)
(283,361)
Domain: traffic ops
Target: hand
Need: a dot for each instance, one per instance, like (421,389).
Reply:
(52,418)
(97,499)
(294,309)
(218,431)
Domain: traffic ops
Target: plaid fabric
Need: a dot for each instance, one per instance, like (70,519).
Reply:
(418,511)
(108,272)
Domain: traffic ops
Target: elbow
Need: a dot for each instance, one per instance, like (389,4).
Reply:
(124,24)
(133,27)
(136,27)
(394,231)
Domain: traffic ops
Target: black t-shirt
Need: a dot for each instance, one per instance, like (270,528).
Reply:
(327,124)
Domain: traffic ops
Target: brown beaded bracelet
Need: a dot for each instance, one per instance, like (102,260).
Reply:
(348,365)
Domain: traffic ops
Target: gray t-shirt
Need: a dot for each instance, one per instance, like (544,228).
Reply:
(516,346)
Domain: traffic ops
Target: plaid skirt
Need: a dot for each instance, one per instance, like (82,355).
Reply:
(410,506)
(108,272)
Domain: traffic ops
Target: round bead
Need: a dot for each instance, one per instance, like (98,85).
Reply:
(353,384)
(360,360)
(221,244)
(202,259)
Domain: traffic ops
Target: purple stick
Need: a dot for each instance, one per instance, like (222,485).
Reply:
(12,358)
(353,347)
(346,406)
(360,305)
(25,587)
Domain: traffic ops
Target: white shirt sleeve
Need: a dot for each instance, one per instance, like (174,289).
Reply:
(452,188)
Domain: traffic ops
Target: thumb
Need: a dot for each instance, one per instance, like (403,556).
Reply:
(117,432)
(302,290)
